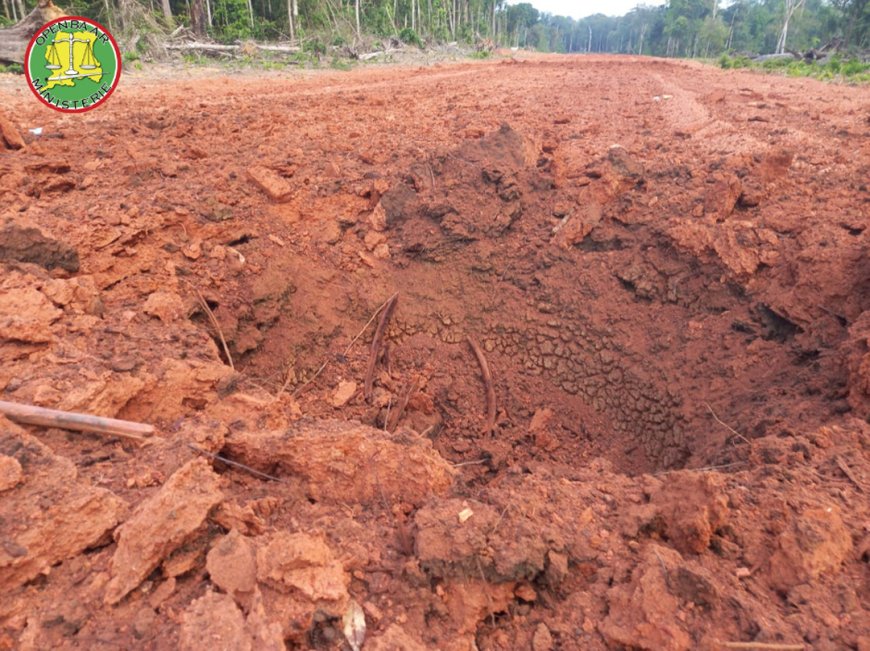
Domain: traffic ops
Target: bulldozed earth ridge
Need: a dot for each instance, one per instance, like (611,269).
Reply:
(532,353)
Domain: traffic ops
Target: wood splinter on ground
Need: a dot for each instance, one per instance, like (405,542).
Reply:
(489,425)
(377,342)
(759,646)
(33,415)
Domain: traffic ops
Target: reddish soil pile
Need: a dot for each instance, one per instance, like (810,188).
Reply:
(666,270)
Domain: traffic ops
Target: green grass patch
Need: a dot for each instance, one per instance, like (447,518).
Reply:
(834,69)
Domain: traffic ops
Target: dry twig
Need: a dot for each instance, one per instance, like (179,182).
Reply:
(489,426)
(32,415)
(769,646)
(236,464)
(476,462)
(369,322)
(848,472)
(393,421)
(214,322)
(324,365)
(725,425)
(377,342)
(302,386)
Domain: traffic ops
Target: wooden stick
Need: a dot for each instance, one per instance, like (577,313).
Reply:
(771,646)
(32,415)
(489,426)
(377,342)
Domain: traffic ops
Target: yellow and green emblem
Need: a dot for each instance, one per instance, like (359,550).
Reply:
(73,64)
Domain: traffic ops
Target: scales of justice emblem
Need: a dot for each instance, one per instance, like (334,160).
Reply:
(72,64)
(88,61)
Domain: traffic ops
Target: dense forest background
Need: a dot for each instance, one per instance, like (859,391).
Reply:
(681,28)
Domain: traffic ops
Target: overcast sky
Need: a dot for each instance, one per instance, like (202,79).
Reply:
(583,8)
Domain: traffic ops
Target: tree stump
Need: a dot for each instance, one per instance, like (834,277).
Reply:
(14,40)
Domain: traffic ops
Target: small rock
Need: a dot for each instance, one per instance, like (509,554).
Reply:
(382,251)
(301,563)
(373,238)
(166,306)
(9,134)
(143,622)
(816,543)
(526,592)
(27,244)
(232,566)
(542,639)
(193,251)
(218,252)
(378,218)
(10,472)
(276,187)
(743,572)
(213,622)
(26,315)
(557,567)
(331,232)
(162,593)
(343,394)
(541,419)
(161,524)
(692,507)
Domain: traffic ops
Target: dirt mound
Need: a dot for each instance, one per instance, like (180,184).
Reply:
(618,396)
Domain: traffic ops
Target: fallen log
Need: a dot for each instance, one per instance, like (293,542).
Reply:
(217,48)
(14,40)
(379,53)
(33,415)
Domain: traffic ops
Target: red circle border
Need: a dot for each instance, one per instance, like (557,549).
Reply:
(27,64)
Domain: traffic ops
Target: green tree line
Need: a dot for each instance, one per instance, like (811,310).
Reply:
(681,28)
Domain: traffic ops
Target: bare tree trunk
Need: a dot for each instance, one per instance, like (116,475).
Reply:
(291,19)
(14,40)
(197,17)
(494,5)
(790,7)
(356,10)
(642,32)
(167,11)
(250,12)
(108,14)
(731,31)
(589,44)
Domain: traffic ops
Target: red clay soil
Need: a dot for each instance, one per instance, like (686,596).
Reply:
(664,265)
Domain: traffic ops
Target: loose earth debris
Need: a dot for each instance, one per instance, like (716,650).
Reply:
(674,298)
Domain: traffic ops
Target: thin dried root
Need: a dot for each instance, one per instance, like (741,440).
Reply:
(235,464)
(394,418)
(489,425)
(763,646)
(214,322)
(377,342)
